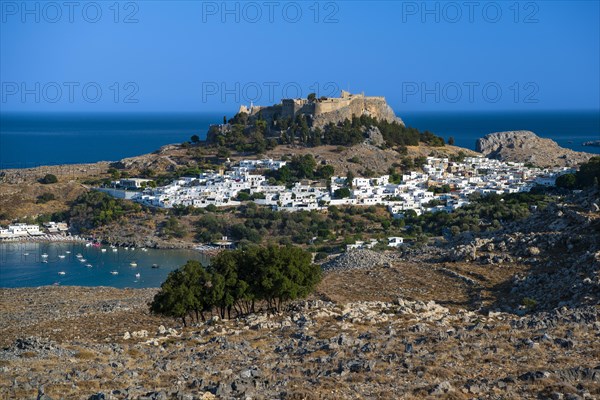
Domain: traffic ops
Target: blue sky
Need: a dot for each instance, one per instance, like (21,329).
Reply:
(193,56)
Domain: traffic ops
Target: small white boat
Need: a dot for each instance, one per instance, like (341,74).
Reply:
(137,275)
(115,249)
(25,254)
(82,260)
(62,273)
(78,255)
(44,255)
(68,252)
(144,249)
(45,261)
(133,248)
(88,244)
(133,264)
(114,272)
(103,250)
(88,265)
(61,256)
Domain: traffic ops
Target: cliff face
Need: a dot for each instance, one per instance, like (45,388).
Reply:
(527,147)
(372,106)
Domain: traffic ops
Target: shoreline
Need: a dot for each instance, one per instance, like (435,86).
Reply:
(45,238)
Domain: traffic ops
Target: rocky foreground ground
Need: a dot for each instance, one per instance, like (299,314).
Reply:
(101,343)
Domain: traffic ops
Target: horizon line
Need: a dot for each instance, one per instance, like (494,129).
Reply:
(223,111)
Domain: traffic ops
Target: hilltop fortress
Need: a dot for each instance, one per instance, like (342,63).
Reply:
(320,112)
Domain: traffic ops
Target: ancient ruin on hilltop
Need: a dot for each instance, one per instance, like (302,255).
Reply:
(321,111)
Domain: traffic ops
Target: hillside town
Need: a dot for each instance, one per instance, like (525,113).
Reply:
(443,185)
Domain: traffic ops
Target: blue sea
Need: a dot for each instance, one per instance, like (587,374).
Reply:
(568,128)
(21,265)
(29,140)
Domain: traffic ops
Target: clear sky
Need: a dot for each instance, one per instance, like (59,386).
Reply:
(194,56)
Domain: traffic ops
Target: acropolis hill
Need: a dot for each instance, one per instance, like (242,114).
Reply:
(321,111)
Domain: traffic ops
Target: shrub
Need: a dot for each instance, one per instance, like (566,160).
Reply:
(45,197)
(48,179)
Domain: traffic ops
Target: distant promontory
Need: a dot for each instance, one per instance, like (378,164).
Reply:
(527,147)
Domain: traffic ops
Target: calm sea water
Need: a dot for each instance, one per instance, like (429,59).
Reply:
(28,140)
(569,129)
(21,265)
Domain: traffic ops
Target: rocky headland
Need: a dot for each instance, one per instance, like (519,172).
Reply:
(527,147)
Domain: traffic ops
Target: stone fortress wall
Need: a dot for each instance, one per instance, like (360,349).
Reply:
(323,111)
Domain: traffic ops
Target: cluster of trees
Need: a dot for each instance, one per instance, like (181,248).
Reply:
(93,209)
(587,176)
(243,137)
(249,135)
(253,223)
(484,213)
(301,167)
(172,228)
(237,282)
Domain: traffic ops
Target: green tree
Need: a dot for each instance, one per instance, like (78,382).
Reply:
(175,298)
(325,171)
(223,152)
(451,140)
(195,139)
(567,181)
(48,179)
(303,166)
(341,193)
(588,172)
(349,178)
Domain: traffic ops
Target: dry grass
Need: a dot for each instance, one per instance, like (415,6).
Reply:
(408,280)
(85,355)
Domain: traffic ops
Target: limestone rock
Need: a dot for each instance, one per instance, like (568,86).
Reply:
(527,147)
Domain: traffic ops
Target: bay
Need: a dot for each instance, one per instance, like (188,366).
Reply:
(21,265)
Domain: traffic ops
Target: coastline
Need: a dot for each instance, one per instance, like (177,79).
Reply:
(46,239)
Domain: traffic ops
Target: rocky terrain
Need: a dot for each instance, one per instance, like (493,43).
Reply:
(513,314)
(527,147)
(315,349)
